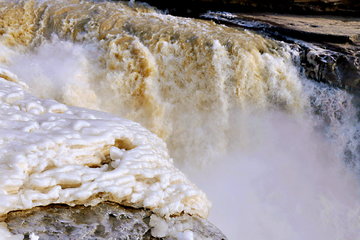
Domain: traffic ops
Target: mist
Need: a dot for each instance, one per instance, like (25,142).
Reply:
(273,174)
(281,180)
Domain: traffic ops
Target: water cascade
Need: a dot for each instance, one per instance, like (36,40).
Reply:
(275,152)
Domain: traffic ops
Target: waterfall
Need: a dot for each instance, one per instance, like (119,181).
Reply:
(274,151)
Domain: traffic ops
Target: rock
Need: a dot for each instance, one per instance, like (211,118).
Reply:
(339,69)
(106,220)
(312,28)
(343,7)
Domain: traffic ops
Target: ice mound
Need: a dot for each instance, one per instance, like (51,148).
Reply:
(53,153)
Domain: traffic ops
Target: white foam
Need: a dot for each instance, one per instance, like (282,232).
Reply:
(186,235)
(33,236)
(53,153)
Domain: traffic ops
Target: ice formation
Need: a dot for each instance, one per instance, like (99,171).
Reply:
(53,153)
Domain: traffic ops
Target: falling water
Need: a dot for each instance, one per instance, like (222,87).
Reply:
(274,151)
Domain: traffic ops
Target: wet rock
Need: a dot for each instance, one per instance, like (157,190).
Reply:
(105,221)
(342,70)
(338,7)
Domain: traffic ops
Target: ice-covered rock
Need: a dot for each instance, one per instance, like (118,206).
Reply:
(53,153)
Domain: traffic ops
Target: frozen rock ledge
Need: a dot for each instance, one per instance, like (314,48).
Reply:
(52,153)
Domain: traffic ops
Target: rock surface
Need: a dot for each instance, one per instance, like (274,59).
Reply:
(104,221)
(343,7)
(326,28)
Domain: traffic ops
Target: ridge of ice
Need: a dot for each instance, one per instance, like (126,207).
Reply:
(53,153)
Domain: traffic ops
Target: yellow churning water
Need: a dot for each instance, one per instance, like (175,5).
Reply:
(152,68)
(266,144)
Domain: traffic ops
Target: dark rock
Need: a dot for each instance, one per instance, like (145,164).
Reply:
(337,69)
(340,69)
(105,221)
(191,7)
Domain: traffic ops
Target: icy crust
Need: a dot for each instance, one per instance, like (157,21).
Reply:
(53,153)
